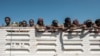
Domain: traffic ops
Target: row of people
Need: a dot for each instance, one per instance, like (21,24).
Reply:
(88,24)
(16,24)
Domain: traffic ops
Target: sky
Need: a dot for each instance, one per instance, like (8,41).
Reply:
(19,10)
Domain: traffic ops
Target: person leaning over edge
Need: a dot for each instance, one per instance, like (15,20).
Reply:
(97,25)
(40,25)
(67,24)
(88,25)
(54,25)
(31,23)
(75,25)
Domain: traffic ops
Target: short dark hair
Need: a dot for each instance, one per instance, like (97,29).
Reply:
(68,19)
(97,22)
(40,20)
(67,22)
(55,23)
(7,18)
(76,22)
(89,23)
(31,19)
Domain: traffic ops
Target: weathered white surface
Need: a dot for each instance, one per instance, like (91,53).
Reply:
(28,42)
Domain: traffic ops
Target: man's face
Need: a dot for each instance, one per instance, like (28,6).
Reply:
(41,22)
(7,21)
(98,24)
(31,22)
(24,24)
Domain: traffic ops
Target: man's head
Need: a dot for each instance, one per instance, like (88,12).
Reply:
(55,23)
(31,22)
(24,23)
(40,22)
(97,22)
(68,20)
(7,21)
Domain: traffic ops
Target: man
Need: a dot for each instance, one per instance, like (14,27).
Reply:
(24,22)
(31,23)
(7,21)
